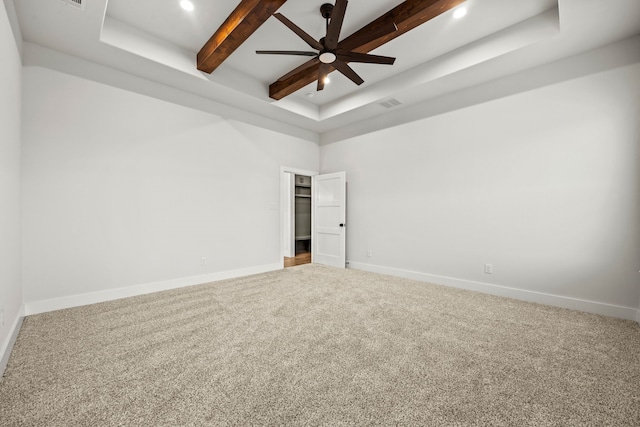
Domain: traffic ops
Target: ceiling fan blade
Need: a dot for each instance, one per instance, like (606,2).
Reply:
(286,52)
(309,64)
(347,71)
(335,25)
(299,31)
(366,58)
(323,72)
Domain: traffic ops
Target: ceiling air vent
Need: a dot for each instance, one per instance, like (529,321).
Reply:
(78,4)
(390,103)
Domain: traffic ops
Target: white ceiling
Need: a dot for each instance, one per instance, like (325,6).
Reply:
(164,19)
(158,41)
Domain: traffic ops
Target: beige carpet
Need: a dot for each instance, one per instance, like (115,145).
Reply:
(313,345)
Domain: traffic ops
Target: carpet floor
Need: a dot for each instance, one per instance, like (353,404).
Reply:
(313,345)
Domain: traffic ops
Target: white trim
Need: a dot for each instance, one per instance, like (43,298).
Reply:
(7,346)
(296,171)
(43,306)
(288,210)
(605,309)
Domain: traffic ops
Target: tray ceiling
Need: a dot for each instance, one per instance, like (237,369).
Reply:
(158,40)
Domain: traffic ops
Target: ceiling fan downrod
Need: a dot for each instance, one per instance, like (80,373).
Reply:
(326,57)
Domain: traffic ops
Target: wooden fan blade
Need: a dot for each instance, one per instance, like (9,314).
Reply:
(286,52)
(322,74)
(366,58)
(335,25)
(300,32)
(347,71)
(307,65)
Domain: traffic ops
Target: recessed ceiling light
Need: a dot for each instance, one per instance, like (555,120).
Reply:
(186,5)
(460,12)
(327,80)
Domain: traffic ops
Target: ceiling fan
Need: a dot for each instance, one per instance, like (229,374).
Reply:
(249,15)
(330,53)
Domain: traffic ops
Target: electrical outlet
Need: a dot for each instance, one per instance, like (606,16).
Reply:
(488,268)
(369,252)
(1,318)
(203,261)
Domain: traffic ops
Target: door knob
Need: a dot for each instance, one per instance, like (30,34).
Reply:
(341,225)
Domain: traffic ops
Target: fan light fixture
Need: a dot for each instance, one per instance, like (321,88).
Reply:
(186,5)
(327,57)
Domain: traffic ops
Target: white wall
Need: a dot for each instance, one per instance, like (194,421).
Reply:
(544,185)
(10,97)
(120,189)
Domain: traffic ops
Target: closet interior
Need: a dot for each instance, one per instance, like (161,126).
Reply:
(302,221)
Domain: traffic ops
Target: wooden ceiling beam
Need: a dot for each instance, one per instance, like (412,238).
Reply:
(407,16)
(246,18)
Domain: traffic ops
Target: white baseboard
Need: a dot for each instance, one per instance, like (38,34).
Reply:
(628,313)
(43,306)
(7,346)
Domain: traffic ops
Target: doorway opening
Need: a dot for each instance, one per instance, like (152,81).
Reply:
(297,221)
(301,222)
(319,236)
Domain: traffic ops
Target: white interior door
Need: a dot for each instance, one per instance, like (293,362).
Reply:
(329,215)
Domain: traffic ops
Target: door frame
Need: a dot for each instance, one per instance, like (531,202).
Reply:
(296,171)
